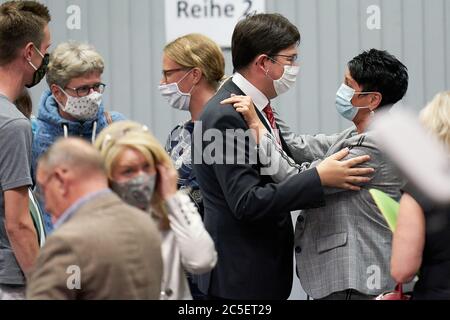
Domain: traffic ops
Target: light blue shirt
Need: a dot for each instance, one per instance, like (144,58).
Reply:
(77,205)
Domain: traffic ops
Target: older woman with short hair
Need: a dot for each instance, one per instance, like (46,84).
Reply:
(72,106)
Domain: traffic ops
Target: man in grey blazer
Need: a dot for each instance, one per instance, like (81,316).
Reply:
(101,248)
(343,250)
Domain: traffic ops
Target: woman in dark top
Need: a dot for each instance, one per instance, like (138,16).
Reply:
(421,242)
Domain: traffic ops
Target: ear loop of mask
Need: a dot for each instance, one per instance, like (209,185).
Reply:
(184,77)
(372,112)
(267,71)
(32,65)
(40,53)
(67,96)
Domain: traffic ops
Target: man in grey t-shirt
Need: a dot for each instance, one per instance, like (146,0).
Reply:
(23,62)
(15,164)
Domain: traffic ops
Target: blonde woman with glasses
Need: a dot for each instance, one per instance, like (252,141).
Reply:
(142,174)
(193,67)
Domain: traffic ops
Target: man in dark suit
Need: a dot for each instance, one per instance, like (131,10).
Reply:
(246,213)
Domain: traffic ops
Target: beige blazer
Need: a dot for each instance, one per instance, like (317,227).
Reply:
(106,250)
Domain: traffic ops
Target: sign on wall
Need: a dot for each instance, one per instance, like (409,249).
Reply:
(213,18)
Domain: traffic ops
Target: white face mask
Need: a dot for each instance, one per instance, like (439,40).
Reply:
(84,108)
(287,80)
(176,99)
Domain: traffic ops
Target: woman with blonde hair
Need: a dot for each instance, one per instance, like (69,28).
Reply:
(142,174)
(422,237)
(436,117)
(193,67)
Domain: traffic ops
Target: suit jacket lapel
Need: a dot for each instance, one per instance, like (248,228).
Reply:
(232,88)
(284,144)
(263,119)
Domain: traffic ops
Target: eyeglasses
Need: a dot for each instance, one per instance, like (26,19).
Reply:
(291,59)
(364,93)
(167,73)
(83,91)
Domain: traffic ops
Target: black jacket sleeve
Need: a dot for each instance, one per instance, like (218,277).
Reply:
(250,196)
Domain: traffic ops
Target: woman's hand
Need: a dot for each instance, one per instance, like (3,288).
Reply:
(341,174)
(244,105)
(167,181)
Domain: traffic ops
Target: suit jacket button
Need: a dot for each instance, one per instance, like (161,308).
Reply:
(298,250)
(301,219)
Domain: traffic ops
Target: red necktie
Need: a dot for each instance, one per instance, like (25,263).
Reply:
(269,114)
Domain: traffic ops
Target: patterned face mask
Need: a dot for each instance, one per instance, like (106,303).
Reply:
(137,192)
(84,108)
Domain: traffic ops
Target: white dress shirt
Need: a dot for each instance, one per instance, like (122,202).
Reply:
(259,99)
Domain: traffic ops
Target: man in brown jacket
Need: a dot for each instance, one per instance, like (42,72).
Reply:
(101,247)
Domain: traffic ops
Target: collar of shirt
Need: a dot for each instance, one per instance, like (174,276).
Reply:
(77,205)
(259,99)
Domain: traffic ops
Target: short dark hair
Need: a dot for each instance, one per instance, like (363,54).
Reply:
(21,22)
(261,34)
(379,71)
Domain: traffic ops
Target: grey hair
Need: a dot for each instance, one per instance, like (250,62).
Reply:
(74,153)
(72,60)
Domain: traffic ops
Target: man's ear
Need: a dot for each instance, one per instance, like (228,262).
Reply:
(63,176)
(28,51)
(61,173)
(375,100)
(261,62)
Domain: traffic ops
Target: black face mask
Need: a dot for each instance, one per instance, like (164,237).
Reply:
(40,72)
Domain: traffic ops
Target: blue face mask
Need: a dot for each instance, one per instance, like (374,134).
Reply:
(344,105)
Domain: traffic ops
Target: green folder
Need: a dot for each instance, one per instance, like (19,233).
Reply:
(388,207)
